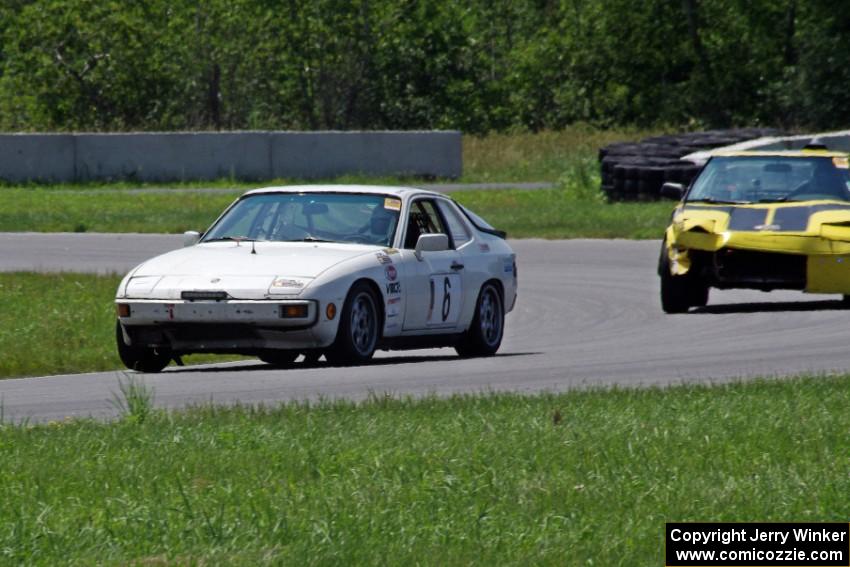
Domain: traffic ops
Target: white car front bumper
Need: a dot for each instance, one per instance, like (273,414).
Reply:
(156,312)
(239,326)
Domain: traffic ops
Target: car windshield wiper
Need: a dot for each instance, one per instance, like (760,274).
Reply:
(714,201)
(233,238)
(309,239)
(779,200)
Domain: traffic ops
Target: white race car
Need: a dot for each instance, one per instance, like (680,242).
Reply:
(338,271)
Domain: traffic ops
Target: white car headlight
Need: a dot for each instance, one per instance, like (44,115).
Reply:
(142,284)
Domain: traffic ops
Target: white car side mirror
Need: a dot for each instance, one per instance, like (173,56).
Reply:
(190,238)
(430,243)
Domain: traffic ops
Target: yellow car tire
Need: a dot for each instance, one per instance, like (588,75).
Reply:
(680,293)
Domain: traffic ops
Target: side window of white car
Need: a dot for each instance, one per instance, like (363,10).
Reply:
(422,219)
(459,233)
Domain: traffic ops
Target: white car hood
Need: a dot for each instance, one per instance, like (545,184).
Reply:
(235,269)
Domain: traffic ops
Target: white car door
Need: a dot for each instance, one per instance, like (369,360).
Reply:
(434,283)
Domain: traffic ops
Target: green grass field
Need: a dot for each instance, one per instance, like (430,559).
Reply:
(60,323)
(52,210)
(546,213)
(56,323)
(582,478)
(552,213)
(575,208)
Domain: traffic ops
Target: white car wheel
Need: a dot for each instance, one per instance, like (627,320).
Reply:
(141,359)
(357,335)
(485,333)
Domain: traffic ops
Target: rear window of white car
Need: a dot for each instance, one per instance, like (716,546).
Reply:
(480,223)
(457,228)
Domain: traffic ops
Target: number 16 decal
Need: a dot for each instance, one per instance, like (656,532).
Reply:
(445,294)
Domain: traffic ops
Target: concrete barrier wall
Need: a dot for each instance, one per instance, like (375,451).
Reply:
(303,154)
(242,155)
(48,157)
(168,157)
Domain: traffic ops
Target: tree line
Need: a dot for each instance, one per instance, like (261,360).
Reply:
(477,66)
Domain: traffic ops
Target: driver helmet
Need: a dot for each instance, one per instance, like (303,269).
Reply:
(382,222)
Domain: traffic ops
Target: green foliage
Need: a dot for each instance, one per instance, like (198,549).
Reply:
(580,478)
(581,183)
(135,400)
(370,64)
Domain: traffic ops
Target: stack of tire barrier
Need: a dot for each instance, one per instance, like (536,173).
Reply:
(635,171)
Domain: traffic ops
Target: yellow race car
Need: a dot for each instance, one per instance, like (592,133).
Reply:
(759,220)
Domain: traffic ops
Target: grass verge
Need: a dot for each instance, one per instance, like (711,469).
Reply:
(576,208)
(552,213)
(51,210)
(60,323)
(585,477)
(573,209)
(544,213)
(56,323)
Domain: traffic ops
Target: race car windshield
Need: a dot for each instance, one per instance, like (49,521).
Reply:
(310,217)
(772,179)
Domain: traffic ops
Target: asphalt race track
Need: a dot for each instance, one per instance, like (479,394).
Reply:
(588,314)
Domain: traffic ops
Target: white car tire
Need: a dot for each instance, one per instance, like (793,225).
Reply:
(141,359)
(484,336)
(359,326)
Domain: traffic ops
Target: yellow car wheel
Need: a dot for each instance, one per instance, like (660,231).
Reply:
(680,293)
